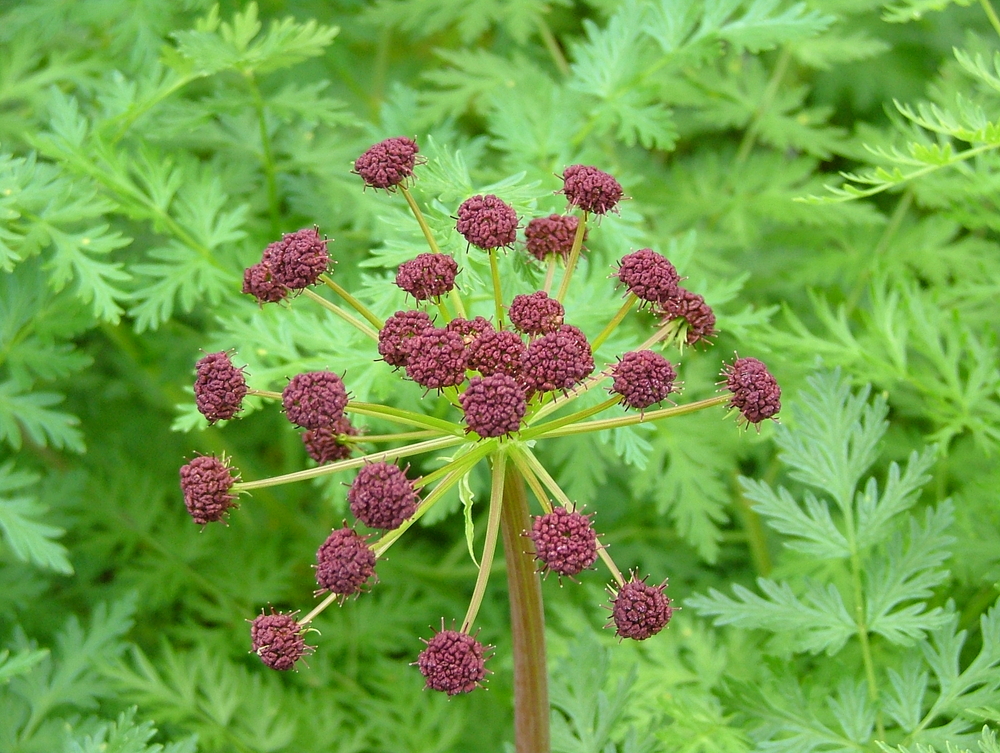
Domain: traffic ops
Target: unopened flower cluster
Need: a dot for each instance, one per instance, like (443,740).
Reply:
(504,375)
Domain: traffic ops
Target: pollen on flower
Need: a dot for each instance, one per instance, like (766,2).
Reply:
(427,277)
(557,360)
(453,662)
(469,329)
(314,399)
(324,444)
(344,562)
(493,405)
(298,259)
(219,387)
(536,313)
(278,640)
(552,235)
(398,335)
(756,393)
(260,283)
(565,541)
(648,275)
(207,484)
(642,378)
(437,360)
(691,307)
(382,496)
(638,610)
(591,189)
(388,163)
(487,222)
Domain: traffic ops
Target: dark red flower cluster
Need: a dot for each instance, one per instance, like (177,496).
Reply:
(344,562)
(324,444)
(565,541)
(493,405)
(552,235)
(219,387)
(496,352)
(642,378)
(648,275)
(298,259)
(691,307)
(388,163)
(453,662)
(558,360)
(207,484)
(469,329)
(277,638)
(315,399)
(398,336)
(591,189)
(640,611)
(438,359)
(259,282)
(382,496)
(536,313)
(756,393)
(427,277)
(487,222)
(293,263)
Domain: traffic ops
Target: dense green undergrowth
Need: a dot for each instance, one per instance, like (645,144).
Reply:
(839,572)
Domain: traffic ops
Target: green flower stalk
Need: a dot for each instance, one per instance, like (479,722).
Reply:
(508,383)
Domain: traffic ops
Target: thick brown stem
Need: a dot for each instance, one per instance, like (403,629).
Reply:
(527,621)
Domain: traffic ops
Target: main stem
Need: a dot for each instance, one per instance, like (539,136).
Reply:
(527,621)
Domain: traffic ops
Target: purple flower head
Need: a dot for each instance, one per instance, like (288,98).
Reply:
(298,259)
(260,283)
(591,189)
(493,405)
(397,336)
(756,393)
(277,638)
(344,562)
(427,277)
(554,234)
(388,163)
(648,275)
(470,330)
(536,313)
(487,222)
(558,360)
(437,359)
(324,445)
(692,308)
(642,378)
(639,611)
(382,496)
(314,399)
(496,352)
(453,662)
(207,484)
(565,541)
(219,387)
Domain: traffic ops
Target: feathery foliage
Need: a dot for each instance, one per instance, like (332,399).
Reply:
(824,174)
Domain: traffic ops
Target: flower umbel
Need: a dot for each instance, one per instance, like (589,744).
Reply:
(277,638)
(453,662)
(493,391)
(207,483)
(388,163)
(219,388)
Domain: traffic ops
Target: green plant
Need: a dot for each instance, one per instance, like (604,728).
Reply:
(137,121)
